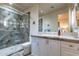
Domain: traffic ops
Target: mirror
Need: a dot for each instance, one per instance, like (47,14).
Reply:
(51,16)
(49,22)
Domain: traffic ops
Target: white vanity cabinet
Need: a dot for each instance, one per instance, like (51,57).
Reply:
(45,47)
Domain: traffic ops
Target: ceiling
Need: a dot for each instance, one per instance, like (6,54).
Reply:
(19,6)
(49,7)
(22,6)
(44,8)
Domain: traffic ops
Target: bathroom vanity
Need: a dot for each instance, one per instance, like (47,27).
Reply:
(54,45)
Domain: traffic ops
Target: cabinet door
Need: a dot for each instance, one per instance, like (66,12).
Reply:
(54,47)
(43,46)
(35,47)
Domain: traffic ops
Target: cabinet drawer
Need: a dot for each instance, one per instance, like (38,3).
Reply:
(69,51)
(70,45)
(66,53)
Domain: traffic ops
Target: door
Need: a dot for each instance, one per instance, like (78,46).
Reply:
(43,46)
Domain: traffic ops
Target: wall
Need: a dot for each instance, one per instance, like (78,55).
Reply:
(34,16)
(52,19)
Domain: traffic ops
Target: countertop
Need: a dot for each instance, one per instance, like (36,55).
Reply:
(67,38)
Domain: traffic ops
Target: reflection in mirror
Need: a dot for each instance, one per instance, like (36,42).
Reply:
(49,13)
(40,28)
(49,22)
(77,15)
(63,20)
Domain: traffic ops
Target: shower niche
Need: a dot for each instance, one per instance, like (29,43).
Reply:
(14,28)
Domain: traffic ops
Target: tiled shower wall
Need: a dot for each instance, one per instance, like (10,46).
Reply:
(14,28)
